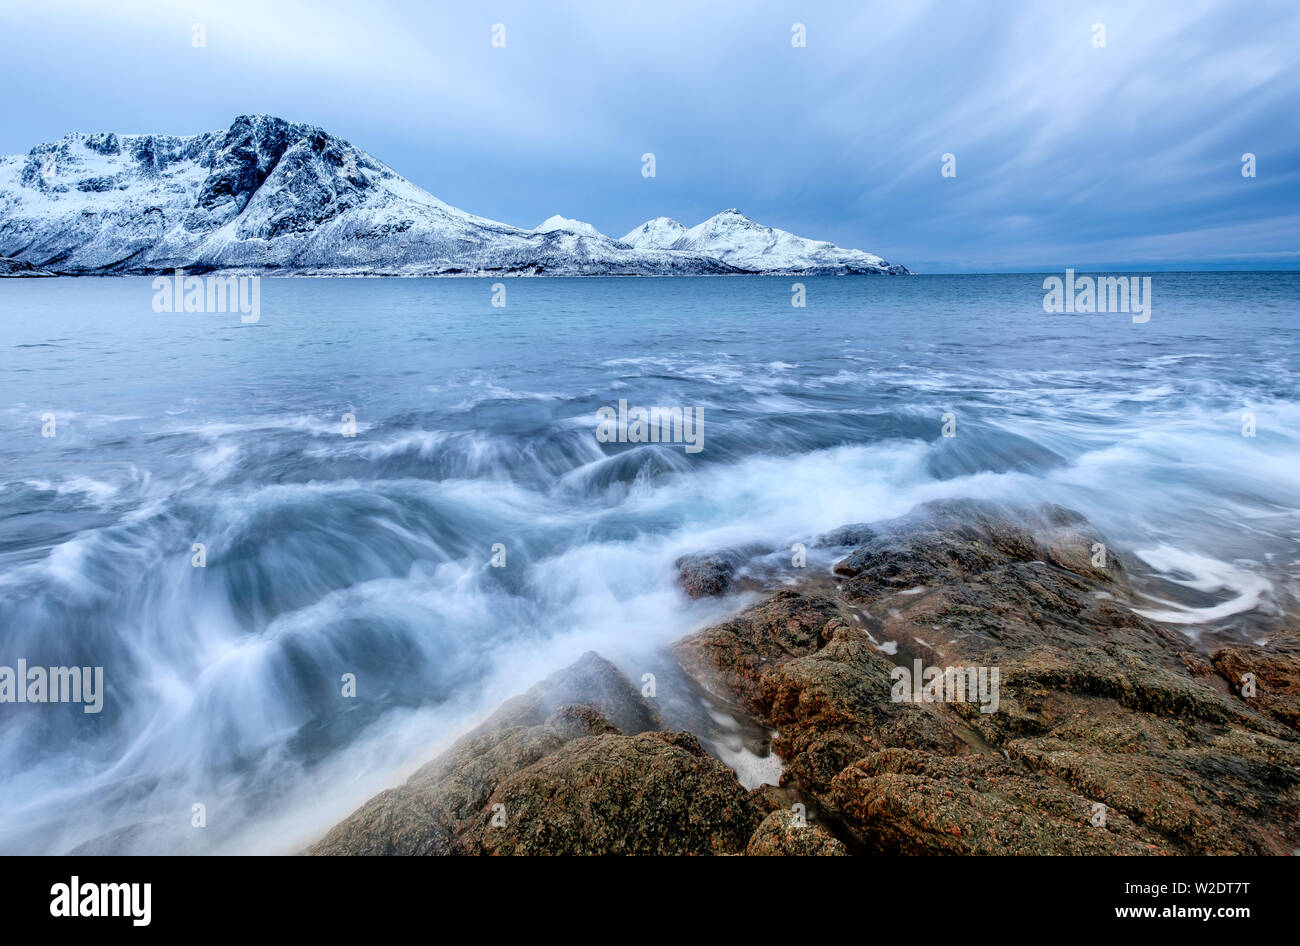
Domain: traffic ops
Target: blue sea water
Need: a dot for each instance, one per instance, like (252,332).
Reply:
(476,427)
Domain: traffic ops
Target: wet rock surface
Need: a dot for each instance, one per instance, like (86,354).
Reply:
(703,576)
(782,834)
(548,775)
(1102,740)
(1070,725)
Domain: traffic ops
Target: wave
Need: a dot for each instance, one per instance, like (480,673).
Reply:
(328,555)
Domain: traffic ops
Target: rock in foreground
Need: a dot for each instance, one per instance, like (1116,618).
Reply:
(1098,738)
(571,767)
(1079,728)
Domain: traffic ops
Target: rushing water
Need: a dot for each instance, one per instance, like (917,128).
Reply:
(475,425)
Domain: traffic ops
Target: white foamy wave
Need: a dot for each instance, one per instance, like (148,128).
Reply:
(1247,590)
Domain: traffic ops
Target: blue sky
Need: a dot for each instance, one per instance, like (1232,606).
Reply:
(1122,157)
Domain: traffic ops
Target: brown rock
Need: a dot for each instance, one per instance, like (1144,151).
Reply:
(1276,680)
(910,802)
(569,767)
(1097,706)
(781,835)
(1107,734)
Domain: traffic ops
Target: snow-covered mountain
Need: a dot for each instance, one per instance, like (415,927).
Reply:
(655,234)
(556,222)
(733,238)
(272,196)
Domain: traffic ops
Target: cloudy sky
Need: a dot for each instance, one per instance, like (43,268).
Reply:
(1067,154)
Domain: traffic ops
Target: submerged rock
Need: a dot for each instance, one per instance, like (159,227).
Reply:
(706,574)
(703,576)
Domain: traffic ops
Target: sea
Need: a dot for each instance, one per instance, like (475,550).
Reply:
(311,550)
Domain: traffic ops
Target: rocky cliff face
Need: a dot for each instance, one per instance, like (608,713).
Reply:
(278,197)
(1107,734)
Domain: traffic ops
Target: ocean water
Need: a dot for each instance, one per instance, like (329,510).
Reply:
(476,427)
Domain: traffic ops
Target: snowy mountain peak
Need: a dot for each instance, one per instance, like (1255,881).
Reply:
(659,233)
(728,220)
(273,196)
(556,222)
(734,238)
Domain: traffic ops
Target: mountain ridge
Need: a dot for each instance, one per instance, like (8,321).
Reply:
(284,198)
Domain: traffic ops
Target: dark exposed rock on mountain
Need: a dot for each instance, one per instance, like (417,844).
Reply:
(9,267)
